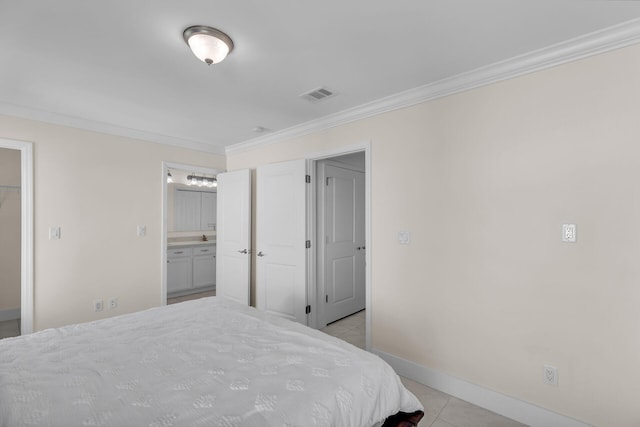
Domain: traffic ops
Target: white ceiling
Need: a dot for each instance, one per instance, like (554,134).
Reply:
(122,66)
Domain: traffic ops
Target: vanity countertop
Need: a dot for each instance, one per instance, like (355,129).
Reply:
(190,243)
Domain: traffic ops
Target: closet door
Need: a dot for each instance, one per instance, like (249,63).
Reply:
(281,285)
(344,249)
(233,235)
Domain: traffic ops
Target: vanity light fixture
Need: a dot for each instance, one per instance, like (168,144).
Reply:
(202,181)
(208,44)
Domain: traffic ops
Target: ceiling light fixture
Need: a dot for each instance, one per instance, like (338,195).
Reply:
(208,44)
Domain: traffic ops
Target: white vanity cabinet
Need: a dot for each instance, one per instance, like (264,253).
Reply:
(179,269)
(191,268)
(204,266)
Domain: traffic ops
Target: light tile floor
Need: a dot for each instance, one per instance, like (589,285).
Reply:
(191,296)
(440,409)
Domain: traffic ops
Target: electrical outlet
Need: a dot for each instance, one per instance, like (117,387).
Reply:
(98,305)
(569,233)
(113,303)
(550,375)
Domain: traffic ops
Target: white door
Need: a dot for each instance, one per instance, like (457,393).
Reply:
(233,235)
(344,266)
(281,285)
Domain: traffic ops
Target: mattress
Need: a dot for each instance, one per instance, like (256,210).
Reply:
(207,362)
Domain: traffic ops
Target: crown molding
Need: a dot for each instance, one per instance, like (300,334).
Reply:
(608,39)
(105,128)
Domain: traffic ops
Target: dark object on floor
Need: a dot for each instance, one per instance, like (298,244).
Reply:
(403,419)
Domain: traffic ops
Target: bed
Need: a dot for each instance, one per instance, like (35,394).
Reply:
(207,362)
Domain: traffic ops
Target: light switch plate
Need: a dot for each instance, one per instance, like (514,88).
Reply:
(54,233)
(569,233)
(142,230)
(404,237)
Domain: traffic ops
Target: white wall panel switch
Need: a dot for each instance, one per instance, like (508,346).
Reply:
(569,233)
(142,230)
(404,237)
(54,233)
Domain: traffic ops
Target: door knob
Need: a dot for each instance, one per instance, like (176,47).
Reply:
(244,251)
(260,253)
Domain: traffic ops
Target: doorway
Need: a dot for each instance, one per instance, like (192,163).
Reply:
(356,157)
(341,235)
(23,188)
(189,196)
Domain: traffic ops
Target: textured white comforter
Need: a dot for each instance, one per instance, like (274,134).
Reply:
(208,362)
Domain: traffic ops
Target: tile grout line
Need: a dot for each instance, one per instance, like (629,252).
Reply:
(440,413)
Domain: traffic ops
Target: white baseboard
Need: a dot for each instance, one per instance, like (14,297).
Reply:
(9,314)
(507,406)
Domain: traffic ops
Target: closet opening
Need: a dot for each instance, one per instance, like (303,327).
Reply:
(16,229)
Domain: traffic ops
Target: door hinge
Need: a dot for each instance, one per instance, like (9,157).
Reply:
(308,309)
(327,181)
(307,179)
(326,299)
(307,244)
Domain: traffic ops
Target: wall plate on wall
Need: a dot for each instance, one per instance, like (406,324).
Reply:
(404,237)
(54,233)
(569,233)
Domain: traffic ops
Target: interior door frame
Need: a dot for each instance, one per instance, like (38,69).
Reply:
(166,165)
(313,294)
(26,231)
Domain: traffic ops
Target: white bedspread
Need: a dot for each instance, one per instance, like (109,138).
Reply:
(207,362)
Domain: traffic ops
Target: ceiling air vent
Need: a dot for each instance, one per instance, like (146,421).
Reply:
(318,94)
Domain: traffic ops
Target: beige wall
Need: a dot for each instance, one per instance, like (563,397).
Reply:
(97,188)
(484,180)
(9,230)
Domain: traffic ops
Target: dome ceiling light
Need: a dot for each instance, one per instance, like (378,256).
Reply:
(208,44)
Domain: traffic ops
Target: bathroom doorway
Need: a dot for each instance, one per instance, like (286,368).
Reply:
(189,232)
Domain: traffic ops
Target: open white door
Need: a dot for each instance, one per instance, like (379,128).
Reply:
(281,279)
(344,228)
(233,236)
